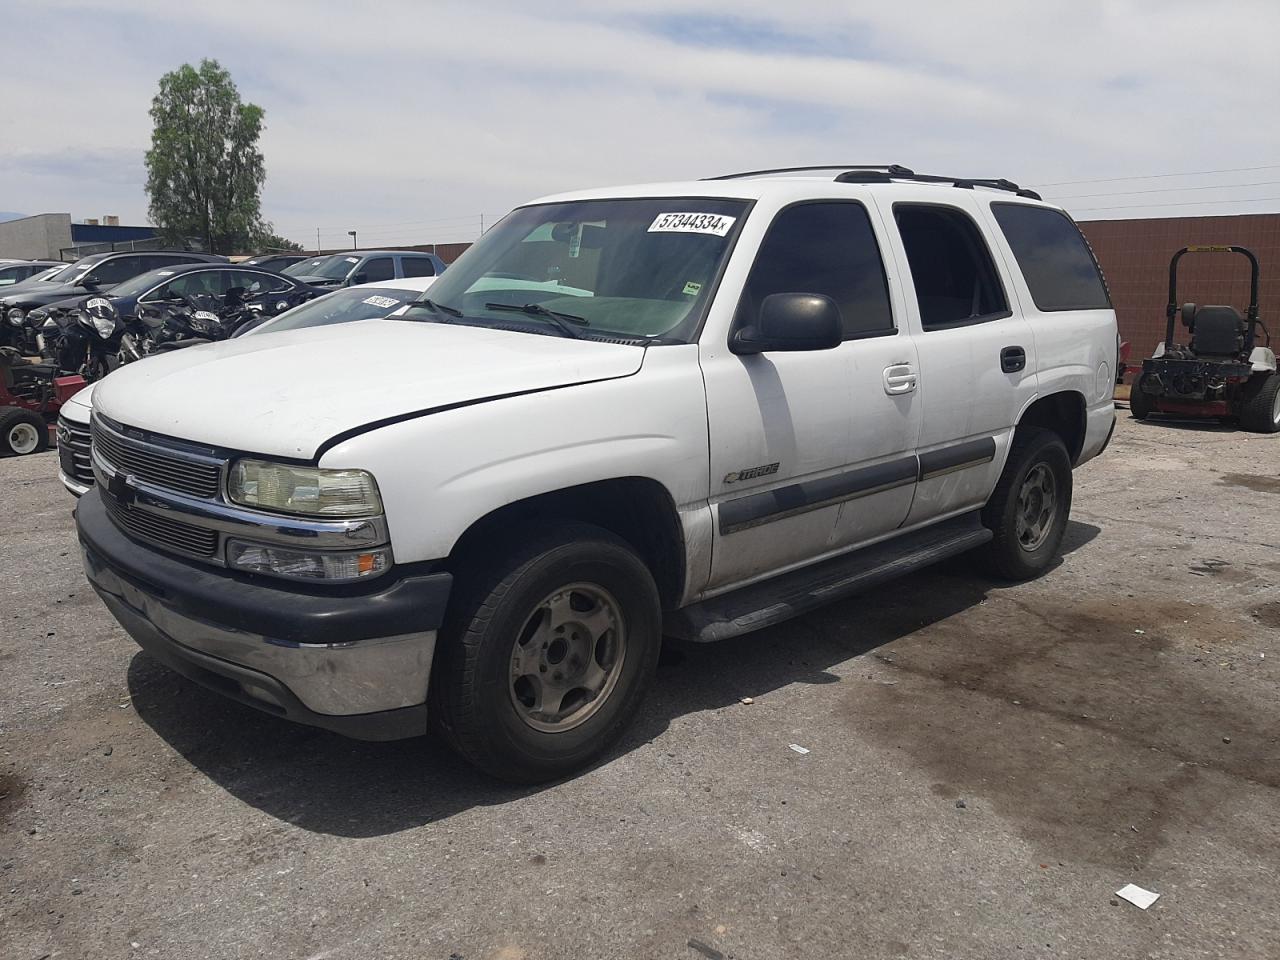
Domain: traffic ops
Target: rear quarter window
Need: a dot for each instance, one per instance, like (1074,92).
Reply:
(1054,258)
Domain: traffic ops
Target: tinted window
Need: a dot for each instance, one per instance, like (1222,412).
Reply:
(418,267)
(372,271)
(195,284)
(117,270)
(256,283)
(1055,260)
(829,249)
(955,279)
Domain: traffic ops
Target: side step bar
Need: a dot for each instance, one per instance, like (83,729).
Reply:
(791,594)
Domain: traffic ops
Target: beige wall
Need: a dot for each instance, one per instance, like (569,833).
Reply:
(41,237)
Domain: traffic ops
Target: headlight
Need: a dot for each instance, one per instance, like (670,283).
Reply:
(307,564)
(312,491)
(16,315)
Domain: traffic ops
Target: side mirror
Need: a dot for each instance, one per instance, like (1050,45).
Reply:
(88,282)
(791,321)
(233,296)
(358,278)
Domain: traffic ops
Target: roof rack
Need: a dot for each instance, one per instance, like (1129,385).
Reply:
(886,173)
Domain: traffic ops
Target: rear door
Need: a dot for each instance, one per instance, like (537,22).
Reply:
(812,451)
(976,354)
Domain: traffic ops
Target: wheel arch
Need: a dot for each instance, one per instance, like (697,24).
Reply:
(1064,413)
(638,509)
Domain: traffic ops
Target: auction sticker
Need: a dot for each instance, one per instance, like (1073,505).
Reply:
(381,302)
(712,223)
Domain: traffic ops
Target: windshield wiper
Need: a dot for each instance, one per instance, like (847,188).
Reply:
(566,322)
(434,307)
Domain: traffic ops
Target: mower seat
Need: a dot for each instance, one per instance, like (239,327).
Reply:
(1217,331)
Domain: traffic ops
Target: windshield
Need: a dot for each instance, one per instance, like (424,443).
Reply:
(343,306)
(639,269)
(331,268)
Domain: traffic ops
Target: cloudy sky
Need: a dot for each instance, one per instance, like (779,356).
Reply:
(410,120)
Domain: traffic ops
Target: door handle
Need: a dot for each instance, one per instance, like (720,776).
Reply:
(899,378)
(1013,359)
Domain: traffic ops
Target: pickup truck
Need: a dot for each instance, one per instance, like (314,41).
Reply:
(691,409)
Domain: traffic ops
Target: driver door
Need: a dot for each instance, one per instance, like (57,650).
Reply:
(812,452)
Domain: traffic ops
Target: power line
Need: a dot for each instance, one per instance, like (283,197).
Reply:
(1130,193)
(1159,176)
(1189,203)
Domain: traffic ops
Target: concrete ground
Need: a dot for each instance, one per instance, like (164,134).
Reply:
(987,766)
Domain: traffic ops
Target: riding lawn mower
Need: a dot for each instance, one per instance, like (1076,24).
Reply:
(31,394)
(1222,372)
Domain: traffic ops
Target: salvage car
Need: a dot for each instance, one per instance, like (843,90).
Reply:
(365,266)
(16,271)
(696,408)
(98,273)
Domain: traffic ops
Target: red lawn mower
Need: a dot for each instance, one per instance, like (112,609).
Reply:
(1222,372)
(31,394)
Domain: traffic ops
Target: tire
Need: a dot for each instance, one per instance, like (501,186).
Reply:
(1141,403)
(1260,411)
(512,629)
(22,432)
(1038,461)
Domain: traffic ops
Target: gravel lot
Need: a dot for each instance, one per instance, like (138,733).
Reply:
(988,765)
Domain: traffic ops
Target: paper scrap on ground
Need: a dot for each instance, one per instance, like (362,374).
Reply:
(1137,896)
(797,748)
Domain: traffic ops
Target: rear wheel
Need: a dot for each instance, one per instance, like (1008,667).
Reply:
(1028,511)
(1260,411)
(1141,403)
(22,432)
(547,654)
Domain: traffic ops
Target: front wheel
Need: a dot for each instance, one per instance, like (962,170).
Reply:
(547,653)
(1141,403)
(1028,511)
(1260,411)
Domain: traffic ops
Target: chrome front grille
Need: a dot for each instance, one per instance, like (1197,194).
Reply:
(193,474)
(73,451)
(163,531)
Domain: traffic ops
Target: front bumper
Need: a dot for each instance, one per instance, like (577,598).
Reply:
(352,659)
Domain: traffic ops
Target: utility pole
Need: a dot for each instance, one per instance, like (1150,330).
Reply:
(482,224)
(352,235)
(317,241)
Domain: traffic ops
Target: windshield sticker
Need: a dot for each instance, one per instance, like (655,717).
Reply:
(691,289)
(165,273)
(711,223)
(353,259)
(385,302)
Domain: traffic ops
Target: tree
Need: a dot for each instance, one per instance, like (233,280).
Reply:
(268,241)
(204,169)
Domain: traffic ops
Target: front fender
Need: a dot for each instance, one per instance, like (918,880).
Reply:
(440,473)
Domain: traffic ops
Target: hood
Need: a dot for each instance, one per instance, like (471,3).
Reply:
(43,293)
(285,394)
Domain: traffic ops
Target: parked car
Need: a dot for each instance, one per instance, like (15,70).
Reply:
(365,266)
(365,302)
(96,274)
(16,271)
(274,261)
(695,408)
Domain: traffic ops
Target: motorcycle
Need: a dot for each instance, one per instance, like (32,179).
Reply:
(204,318)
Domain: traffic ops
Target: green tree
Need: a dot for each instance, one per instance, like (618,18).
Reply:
(268,241)
(204,169)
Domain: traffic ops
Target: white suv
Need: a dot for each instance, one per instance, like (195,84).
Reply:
(694,408)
